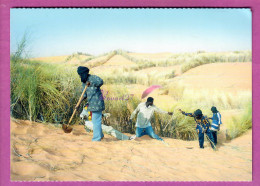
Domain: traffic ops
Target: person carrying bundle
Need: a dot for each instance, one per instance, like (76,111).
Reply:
(202,127)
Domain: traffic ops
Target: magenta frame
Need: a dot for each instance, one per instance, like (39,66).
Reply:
(5,6)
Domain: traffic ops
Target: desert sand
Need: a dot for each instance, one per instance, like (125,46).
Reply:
(43,152)
(119,60)
(224,76)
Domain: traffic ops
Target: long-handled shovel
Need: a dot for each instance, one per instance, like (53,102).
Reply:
(66,128)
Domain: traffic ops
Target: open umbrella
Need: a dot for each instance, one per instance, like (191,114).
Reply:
(149,90)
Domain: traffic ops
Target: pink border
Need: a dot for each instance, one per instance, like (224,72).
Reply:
(5,6)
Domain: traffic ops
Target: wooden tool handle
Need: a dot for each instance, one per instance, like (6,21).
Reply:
(78,104)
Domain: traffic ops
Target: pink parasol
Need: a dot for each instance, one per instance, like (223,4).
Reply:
(149,90)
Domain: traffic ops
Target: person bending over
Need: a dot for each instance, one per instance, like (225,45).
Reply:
(145,112)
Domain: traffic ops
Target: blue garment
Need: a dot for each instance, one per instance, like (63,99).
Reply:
(202,124)
(214,136)
(203,127)
(201,138)
(216,121)
(94,94)
(97,129)
(147,131)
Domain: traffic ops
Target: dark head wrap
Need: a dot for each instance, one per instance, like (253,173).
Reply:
(198,114)
(83,73)
(214,109)
(149,101)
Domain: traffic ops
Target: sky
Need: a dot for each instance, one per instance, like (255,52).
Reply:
(56,32)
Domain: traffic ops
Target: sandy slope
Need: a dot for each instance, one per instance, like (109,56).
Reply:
(227,76)
(119,60)
(114,65)
(43,152)
(161,70)
(51,59)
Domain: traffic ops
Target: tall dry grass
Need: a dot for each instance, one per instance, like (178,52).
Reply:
(48,93)
(43,92)
(190,60)
(240,124)
(206,58)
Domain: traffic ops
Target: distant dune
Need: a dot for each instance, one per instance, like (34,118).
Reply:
(51,59)
(119,61)
(69,59)
(151,56)
(162,70)
(42,152)
(96,60)
(225,76)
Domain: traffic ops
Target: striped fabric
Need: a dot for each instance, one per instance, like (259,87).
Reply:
(216,121)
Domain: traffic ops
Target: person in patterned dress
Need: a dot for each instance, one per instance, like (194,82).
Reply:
(202,126)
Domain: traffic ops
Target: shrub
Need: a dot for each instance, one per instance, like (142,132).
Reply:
(240,124)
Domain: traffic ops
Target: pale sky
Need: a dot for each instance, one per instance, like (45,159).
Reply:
(54,32)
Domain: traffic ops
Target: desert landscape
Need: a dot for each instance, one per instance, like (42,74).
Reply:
(73,157)
(42,101)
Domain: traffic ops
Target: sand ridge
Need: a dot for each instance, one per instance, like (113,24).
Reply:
(225,76)
(43,152)
(119,60)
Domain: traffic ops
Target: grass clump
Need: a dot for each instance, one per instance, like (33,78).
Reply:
(240,124)
(120,104)
(43,92)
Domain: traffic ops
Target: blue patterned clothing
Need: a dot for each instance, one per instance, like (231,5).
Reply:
(203,127)
(94,94)
(202,124)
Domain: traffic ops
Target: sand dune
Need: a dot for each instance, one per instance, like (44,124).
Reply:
(76,59)
(161,70)
(119,60)
(97,60)
(52,59)
(114,65)
(227,76)
(152,56)
(43,152)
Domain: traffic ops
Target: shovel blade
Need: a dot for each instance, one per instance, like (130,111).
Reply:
(66,128)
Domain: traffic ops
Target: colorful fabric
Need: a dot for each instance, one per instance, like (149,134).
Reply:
(202,124)
(94,94)
(202,127)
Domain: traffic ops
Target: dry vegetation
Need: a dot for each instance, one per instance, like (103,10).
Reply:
(47,92)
